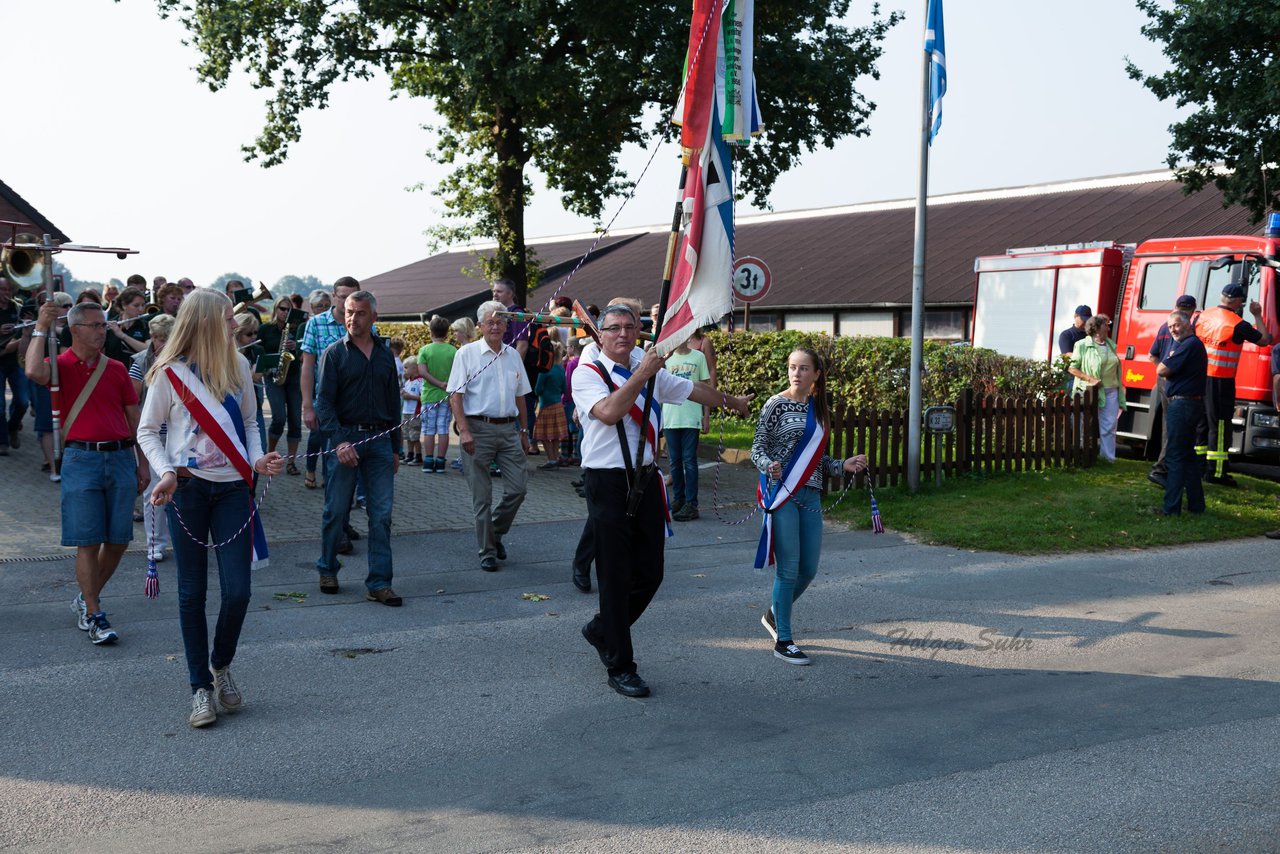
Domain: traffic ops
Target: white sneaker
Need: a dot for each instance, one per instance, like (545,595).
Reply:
(100,631)
(203,712)
(156,557)
(82,613)
(56,478)
(225,692)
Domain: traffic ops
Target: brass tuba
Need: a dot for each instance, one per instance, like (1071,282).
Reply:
(24,267)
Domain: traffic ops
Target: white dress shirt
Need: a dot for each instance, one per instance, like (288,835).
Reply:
(600,447)
(489,382)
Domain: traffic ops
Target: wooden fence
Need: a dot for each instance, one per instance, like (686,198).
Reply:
(993,434)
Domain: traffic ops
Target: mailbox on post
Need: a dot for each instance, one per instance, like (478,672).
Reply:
(939,420)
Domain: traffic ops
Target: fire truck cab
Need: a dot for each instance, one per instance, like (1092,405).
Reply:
(1160,272)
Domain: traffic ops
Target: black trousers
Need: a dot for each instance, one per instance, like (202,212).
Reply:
(1219,407)
(585,554)
(629,560)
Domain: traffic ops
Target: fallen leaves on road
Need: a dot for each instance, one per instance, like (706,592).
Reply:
(292,596)
(534,597)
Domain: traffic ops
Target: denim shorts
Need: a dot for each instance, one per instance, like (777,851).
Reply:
(43,405)
(98,489)
(436,418)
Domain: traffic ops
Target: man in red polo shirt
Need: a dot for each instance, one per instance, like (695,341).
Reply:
(100,470)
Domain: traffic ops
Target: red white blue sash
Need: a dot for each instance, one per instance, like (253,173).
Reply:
(770,494)
(652,429)
(223,425)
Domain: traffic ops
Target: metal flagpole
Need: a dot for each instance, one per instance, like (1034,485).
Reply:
(917,280)
(673,241)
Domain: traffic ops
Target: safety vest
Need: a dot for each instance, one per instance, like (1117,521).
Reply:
(1215,328)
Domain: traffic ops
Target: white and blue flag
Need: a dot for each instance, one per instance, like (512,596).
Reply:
(934,46)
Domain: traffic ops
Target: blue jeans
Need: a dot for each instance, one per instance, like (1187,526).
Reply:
(797,545)
(286,407)
(98,488)
(17,380)
(218,510)
(682,450)
(316,442)
(259,392)
(1180,420)
(377,467)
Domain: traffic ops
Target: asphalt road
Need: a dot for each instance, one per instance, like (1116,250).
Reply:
(958,702)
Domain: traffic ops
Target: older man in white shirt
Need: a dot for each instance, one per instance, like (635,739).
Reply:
(629,541)
(487,387)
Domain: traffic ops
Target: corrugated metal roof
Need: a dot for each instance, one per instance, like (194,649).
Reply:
(858,255)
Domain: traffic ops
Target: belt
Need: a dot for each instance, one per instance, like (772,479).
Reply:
(1187,397)
(113,445)
(368,428)
(487,420)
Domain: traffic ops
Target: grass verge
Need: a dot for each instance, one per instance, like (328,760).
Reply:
(1064,510)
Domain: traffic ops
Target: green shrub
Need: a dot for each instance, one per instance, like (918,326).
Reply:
(874,372)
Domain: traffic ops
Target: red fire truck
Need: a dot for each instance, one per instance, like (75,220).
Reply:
(1025,297)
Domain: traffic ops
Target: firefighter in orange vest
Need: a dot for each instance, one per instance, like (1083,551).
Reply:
(1224,335)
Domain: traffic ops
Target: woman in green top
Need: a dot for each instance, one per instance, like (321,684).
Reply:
(435,361)
(1094,363)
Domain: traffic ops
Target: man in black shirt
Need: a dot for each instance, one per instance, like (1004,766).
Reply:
(1183,368)
(358,405)
(10,370)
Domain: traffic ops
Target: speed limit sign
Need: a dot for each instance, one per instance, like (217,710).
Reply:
(751,278)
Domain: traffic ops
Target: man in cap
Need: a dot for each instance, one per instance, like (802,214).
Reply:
(1160,348)
(1068,337)
(1182,377)
(1224,335)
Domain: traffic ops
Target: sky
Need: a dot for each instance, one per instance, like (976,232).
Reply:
(126,147)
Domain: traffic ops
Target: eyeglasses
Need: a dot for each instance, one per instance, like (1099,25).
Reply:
(494,321)
(619,330)
(91,325)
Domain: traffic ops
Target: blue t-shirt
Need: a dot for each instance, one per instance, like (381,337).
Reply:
(1187,364)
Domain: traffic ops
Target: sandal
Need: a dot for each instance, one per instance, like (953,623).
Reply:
(310,480)
(292,469)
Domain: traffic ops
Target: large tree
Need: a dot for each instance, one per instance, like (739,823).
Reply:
(561,84)
(1224,62)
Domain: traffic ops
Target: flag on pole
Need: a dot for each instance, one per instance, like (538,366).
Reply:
(693,109)
(702,283)
(735,72)
(935,47)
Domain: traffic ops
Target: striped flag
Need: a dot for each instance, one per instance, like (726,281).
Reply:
(693,109)
(702,282)
(935,47)
(735,73)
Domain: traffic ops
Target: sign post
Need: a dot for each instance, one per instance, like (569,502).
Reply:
(751,281)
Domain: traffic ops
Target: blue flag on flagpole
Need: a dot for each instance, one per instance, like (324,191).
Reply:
(935,47)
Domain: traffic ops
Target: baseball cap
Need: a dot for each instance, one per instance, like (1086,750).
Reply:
(1186,302)
(1233,291)
(1084,311)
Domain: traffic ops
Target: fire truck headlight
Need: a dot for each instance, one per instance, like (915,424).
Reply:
(1264,442)
(1263,419)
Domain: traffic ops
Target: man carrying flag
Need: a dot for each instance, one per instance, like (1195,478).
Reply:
(629,536)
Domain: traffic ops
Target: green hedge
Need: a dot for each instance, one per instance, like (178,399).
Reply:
(874,372)
(866,372)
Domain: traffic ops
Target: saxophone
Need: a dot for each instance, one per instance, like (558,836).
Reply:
(286,358)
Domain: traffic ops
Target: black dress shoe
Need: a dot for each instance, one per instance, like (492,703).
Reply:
(1157,478)
(489,564)
(499,549)
(629,685)
(586,633)
(352,533)
(344,546)
(582,580)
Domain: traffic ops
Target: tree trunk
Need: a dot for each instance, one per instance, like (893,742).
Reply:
(512,258)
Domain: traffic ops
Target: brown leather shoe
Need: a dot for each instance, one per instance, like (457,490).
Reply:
(385,595)
(328,584)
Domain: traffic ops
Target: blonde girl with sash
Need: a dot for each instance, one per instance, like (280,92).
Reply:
(789,449)
(202,388)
